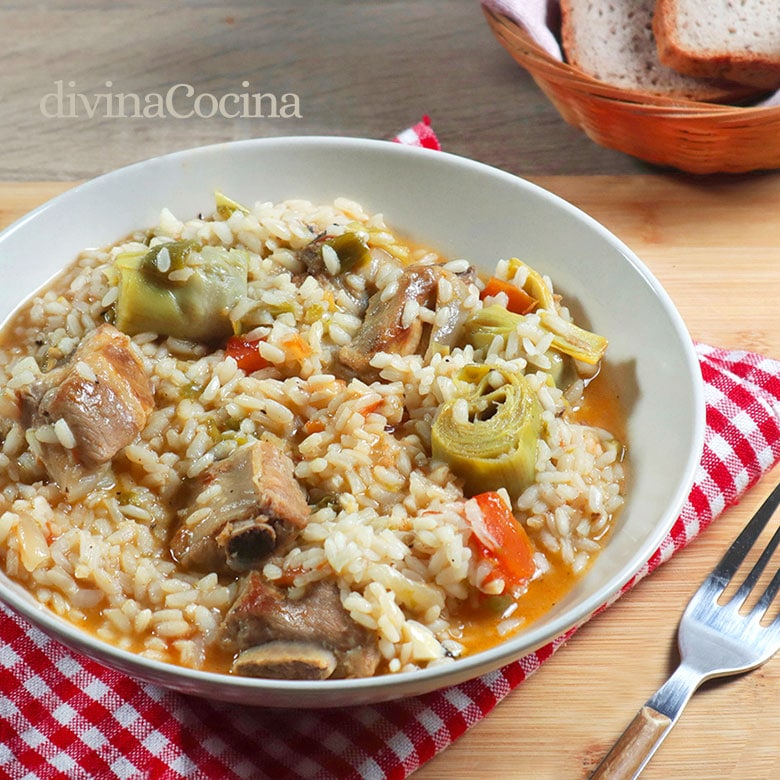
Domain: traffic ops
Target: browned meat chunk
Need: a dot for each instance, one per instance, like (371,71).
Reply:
(104,396)
(257,507)
(106,410)
(282,637)
(311,257)
(385,328)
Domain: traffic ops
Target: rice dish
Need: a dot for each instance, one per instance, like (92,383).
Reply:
(332,349)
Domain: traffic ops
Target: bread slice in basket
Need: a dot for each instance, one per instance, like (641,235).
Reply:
(737,40)
(613,41)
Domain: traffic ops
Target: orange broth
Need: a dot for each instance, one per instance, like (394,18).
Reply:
(479,617)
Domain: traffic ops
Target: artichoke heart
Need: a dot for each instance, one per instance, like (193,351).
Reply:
(180,289)
(495,446)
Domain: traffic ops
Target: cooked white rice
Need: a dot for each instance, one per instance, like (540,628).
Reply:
(389,525)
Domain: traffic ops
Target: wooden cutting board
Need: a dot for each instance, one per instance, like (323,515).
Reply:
(714,244)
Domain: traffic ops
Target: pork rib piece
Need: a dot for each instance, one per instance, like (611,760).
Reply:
(312,637)
(257,508)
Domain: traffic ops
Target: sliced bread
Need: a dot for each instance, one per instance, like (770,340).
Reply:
(737,40)
(613,41)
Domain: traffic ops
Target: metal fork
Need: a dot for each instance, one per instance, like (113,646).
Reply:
(714,640)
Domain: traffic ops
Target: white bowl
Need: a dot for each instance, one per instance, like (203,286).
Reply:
(464,209)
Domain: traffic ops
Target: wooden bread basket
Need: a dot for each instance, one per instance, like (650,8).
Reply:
(691,136)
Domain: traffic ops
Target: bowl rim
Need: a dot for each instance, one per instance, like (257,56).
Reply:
(380,687)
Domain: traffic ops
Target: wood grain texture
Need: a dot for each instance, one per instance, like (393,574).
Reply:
(633,746)
(716,249)
(359,68)
(371,69)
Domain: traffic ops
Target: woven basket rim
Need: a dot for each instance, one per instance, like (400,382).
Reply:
(690,135)
(540,63)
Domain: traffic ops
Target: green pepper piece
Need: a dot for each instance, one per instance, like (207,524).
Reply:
(352,249)
(160,260)
(226,206)
(499,604)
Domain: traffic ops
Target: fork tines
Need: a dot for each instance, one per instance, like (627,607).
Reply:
(736,554)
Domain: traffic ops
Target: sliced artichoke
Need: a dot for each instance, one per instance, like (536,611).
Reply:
(534,284)
(484,325)
(495,446)
(180,289)
(568,338)
(572,340)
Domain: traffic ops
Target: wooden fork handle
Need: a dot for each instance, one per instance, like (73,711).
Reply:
(636,744)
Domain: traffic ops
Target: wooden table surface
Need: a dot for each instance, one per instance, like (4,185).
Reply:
(371,69)
(358,68)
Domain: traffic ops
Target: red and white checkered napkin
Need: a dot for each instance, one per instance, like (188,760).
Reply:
(63,715)
(420,134)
